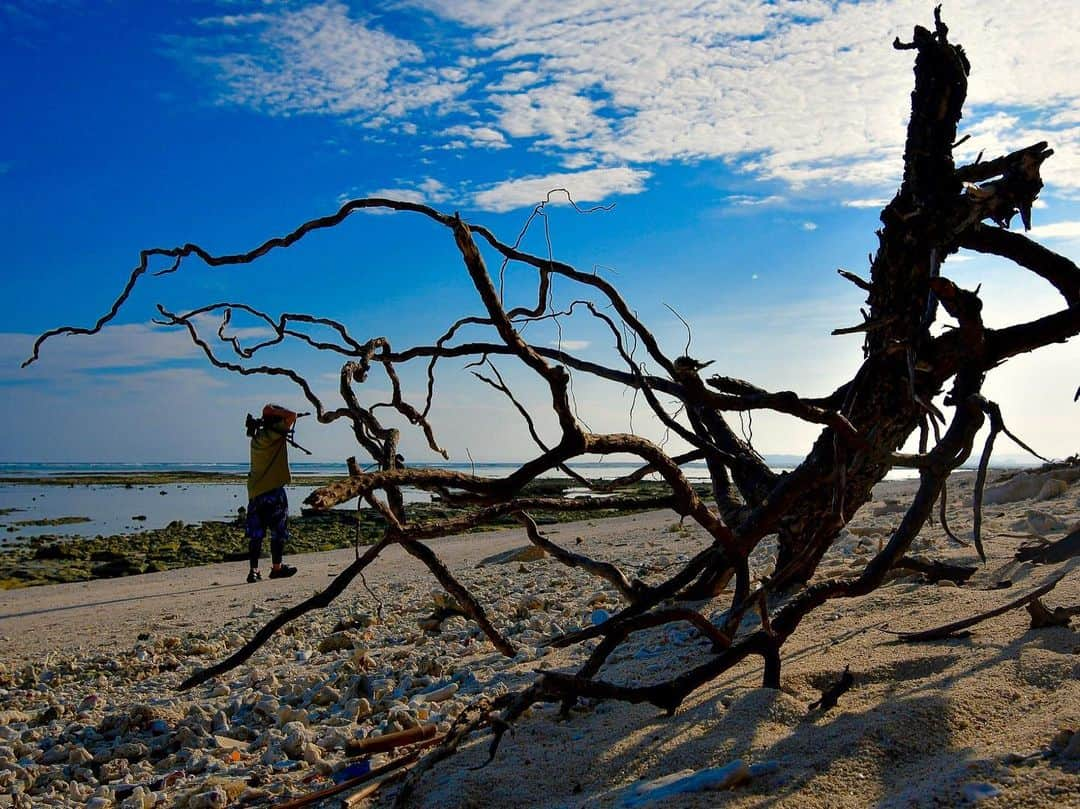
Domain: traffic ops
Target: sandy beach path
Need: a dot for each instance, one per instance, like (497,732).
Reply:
(105,613)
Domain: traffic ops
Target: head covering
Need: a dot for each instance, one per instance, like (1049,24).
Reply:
(273,412)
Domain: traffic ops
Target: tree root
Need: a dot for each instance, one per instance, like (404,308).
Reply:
(1041,616)
(935,570)
(940,632)
(830,695)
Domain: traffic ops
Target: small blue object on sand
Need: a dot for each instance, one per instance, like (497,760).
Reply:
(354,770)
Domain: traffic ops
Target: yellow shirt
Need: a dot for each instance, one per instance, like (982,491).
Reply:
(269,462)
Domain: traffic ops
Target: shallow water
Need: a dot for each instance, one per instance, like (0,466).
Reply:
(111,509)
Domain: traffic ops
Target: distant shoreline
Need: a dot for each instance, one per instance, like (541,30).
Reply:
(53,558)
(128,479)
(317,473)
(150,478)
(303,472)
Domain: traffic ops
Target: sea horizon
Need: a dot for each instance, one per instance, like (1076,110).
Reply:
(33,508)
(779,462)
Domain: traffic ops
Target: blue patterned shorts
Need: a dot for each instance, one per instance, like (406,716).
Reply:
(268,511)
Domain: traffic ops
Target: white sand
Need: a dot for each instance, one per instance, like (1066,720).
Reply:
(109,613)
(930,724)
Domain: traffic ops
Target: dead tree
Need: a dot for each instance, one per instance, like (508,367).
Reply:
(939,208)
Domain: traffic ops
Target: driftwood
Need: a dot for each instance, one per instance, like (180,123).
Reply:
(935,570)
(831,695)
(368,790)
(1036,551)
(1049,553)
(377,775)
(1042,616)
(372,781)
(390,741)
(945,631)
(911,378)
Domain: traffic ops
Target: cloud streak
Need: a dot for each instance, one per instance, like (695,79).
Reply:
(1057,230)
(318,59)
(805,92)
(584,186)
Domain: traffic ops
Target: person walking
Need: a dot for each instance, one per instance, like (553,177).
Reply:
(268,505)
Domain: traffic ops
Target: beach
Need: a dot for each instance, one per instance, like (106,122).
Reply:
(90,713)
(77,527)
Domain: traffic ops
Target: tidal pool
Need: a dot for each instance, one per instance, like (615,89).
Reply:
(113,509)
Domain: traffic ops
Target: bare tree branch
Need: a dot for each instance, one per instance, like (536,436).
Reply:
(603,570)
(893,393)
(1018,248)
(952,628)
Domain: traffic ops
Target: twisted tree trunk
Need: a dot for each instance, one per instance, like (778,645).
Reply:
(864,423)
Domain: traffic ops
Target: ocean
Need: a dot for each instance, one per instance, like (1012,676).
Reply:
(597,469)
(111,509)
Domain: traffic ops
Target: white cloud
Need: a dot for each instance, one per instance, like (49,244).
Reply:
(751,201)
(866,203)
(577,161)
(317,59)
(1070,116)
(514,80)
(116,347)
(428,191)
(434,190)
(1056,230)
(481,136)
(234,20)
(806,92)
(809,226)
(586,186)
(449,146)
(570,345)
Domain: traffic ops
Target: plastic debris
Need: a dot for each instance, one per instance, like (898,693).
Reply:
(352,771)
(973,793)
(684,782)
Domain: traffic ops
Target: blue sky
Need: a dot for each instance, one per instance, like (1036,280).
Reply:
(747,148)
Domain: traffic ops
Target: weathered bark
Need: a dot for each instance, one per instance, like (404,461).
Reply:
(926,221)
